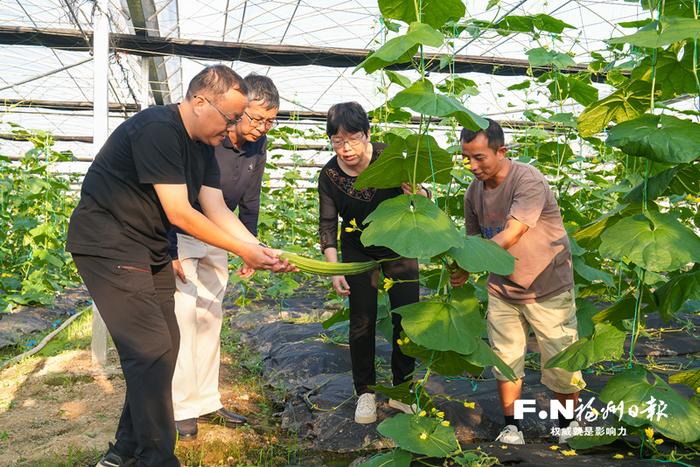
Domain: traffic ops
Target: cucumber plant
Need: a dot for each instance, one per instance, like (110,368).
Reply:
(631,210)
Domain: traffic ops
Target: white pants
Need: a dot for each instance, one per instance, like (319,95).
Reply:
(199,317)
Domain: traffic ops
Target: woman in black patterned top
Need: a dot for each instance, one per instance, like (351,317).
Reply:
(347,127)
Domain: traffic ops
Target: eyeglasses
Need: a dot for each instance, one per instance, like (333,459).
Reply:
(268,123)
(229,121)
(352,141)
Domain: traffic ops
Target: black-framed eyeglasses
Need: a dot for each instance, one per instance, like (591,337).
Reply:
(229,121)
(352,141)
(268,122)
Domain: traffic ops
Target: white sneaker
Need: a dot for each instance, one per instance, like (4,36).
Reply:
(366,410)
(403,407)
(574,429)
(510,435)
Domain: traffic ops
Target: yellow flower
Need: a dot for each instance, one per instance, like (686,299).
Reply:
(569,453)
(406,340)
(577,382)
(631,454)
(433,410)
(470,405)
(353,224)
(697,389)
(467,166)
(422,413)
(554,447)
(649,431)
(618,456)
(658,441)
(399,341)
(445,423)
(690,197)
(440,414)
(388,283)
(424,435)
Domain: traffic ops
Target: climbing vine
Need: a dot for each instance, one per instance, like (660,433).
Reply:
(626,173)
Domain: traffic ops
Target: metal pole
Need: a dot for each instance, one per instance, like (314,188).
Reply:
(100,51)
(145,85)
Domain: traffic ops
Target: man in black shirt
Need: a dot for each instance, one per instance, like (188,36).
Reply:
(202,270)
(147,175)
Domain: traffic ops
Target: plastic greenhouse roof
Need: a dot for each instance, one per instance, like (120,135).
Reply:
(29,72)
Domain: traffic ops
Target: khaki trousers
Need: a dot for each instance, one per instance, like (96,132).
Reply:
(199,317)
(554,323)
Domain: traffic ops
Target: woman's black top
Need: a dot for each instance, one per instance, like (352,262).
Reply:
(337,196)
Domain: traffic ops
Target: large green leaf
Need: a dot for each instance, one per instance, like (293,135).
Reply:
(422,435)
(459,86)
(404,392)
(661,138)
(624,104)
(552,152)
(624,308)
(448,363)
(513,23)
(398,78)
(591,274)
(674,293)
(585,311)
(686,180)
(589,234)
(655,186)
(338,317)
(433,12)
(590,441)
(542,57)
(683,8)
(394,458)
(690,378)
(399,222)
(421,97)
(401,49)
(386,113)
(673,77)
(606,343)
(632,387)
(655,241)
(479,254)
(397,162)
(441,326)
(578,88)
(484,356)
(660,34)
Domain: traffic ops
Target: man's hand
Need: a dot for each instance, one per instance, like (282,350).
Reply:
(408,190)
(245,272)
(283,265)
(341,285)
(458,277)
(259,257)
(177,269)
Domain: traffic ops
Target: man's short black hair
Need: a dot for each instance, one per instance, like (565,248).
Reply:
(348,116)
(494,135)
(261,88)
(215,81)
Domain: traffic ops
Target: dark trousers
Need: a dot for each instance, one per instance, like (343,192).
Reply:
(363,317)
(136,303)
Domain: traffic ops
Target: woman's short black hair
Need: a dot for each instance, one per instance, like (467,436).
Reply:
(348,116)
